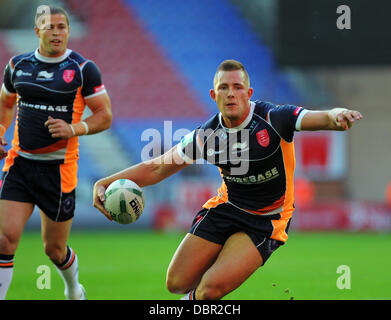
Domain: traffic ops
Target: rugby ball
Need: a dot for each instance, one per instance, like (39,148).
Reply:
(124,201)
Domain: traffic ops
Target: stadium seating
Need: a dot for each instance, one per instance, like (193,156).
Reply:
(158,60)
(141,81)
(198,35)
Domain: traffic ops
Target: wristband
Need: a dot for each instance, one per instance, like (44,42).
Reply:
(85,126)
(73,130)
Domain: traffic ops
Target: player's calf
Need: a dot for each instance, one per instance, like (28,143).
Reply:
(211,290)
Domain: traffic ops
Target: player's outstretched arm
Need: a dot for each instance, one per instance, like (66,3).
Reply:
(143,174)
(340,119)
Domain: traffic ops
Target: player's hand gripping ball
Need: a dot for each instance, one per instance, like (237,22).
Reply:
(124,201)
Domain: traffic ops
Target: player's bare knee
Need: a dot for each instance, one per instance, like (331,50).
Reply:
(175,285)
(8,243)
(56,253)
(172,286)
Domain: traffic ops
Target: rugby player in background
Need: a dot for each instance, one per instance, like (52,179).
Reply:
(50,87)
(251,142)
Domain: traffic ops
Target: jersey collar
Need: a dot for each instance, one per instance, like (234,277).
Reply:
(42,58)
(244,123)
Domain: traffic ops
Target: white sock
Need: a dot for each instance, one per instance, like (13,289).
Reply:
(6,271)
(190,295)
(69,272)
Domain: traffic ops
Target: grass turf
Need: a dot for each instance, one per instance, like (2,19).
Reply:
(132,266)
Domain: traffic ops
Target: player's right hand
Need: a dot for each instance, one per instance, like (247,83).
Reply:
(58,128)
(99,199)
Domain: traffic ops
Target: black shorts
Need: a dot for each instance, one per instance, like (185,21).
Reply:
(40,184)
(219,223)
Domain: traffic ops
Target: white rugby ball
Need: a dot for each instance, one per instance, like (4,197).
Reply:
(124,201)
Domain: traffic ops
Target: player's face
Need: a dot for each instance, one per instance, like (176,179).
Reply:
(232,96)
(53,36)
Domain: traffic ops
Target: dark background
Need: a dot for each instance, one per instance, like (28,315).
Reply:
(308,33)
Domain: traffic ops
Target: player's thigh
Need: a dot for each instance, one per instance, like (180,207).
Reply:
(55,234)
(191,259)
(238,260)
(13,217)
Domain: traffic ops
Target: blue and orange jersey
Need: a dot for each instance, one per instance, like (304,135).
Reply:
(256,160)
(55,87)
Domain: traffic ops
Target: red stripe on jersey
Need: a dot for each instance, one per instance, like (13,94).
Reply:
(61,144)
(99,88)
(296,112)
(275,205)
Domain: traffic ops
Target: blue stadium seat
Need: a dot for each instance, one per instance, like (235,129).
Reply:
(88,168)
(198,35)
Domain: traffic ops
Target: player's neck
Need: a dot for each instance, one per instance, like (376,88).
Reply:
(50,58)
(234,123)
(51,55)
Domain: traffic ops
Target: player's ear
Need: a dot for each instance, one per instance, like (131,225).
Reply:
(212,94)
(250,92)
(36,31)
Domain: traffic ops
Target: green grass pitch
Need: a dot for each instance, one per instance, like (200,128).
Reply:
(132,265)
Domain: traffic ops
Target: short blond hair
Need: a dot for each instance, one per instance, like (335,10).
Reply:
(44,10)
(231,65)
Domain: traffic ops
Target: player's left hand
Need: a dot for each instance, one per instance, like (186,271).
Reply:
(344,118)
(59,128)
